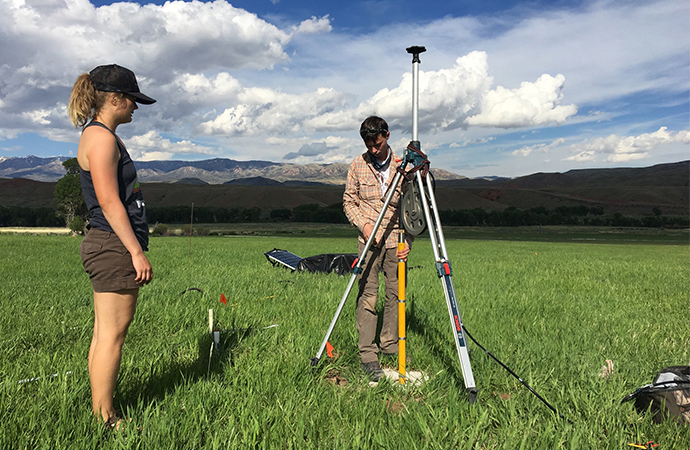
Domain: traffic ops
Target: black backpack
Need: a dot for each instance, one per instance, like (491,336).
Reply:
(667,396)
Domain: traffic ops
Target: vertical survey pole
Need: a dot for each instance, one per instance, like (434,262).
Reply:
(402,264)
(402,281)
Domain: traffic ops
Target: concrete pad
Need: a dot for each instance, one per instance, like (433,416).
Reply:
(414,378)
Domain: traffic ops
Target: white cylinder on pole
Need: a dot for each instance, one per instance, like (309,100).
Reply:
(415,101)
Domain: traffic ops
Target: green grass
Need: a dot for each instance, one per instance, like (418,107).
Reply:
(552,311)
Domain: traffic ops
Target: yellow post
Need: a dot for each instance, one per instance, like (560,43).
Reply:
(402,377)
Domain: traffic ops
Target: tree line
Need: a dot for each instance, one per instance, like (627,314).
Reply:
(509,217)
(20,216)
(16,216)
(562,215)
(303,213)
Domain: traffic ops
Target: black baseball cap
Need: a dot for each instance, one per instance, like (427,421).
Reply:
(114,78)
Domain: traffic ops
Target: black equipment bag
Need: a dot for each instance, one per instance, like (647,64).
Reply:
(667,396)
(340,263)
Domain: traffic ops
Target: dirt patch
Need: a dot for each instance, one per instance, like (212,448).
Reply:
(395,406)
(502,395)
(333,377)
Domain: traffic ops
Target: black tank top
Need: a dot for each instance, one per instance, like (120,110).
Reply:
(129,191)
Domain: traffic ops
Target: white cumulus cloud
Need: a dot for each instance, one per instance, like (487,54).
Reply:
(626,148)
(538,148)
(263,110)
(330,149)
(45,45)
(152,146)
(314,25)
(458,97)
(531,104)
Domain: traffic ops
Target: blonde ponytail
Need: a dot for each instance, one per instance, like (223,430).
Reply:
(85,101)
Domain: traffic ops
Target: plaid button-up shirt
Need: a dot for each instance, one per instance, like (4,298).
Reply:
(363,200)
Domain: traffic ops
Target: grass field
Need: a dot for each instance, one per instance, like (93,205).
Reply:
(552,311)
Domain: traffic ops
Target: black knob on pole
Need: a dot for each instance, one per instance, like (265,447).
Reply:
(415,51)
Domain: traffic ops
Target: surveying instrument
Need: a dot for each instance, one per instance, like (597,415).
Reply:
(417,210)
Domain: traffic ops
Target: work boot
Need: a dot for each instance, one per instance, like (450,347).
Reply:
(373,370)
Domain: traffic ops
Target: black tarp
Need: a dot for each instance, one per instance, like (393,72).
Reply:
(340,263)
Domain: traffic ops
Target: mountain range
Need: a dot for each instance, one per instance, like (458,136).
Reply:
(631,191)
(210,171)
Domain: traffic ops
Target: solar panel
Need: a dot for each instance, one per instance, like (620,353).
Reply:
(283,257)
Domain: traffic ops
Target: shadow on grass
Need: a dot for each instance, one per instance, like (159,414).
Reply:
(438,337)
(176,373)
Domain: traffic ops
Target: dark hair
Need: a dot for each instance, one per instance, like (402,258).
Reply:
(372,127)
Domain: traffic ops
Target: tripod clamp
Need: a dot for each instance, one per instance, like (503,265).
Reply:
(412,215)
(417,159)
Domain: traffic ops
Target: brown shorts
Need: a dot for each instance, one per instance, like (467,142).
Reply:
(107,262)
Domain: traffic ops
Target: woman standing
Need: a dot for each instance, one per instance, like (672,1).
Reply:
(114,246)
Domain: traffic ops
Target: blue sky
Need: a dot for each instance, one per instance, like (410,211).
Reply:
(508,88)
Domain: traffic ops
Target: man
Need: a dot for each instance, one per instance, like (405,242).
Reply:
(368,180)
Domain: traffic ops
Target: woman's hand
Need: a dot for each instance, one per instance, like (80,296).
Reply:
(143,268)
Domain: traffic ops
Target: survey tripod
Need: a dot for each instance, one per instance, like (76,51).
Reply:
(418,210)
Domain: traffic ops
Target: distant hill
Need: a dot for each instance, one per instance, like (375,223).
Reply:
(261,181)
(196,181)
(253,181)
(27,193)
(631,191)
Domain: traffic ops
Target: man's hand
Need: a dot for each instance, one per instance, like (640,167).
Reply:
(368,228)
(402,254)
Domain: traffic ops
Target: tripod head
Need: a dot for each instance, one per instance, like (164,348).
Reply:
(415,51)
